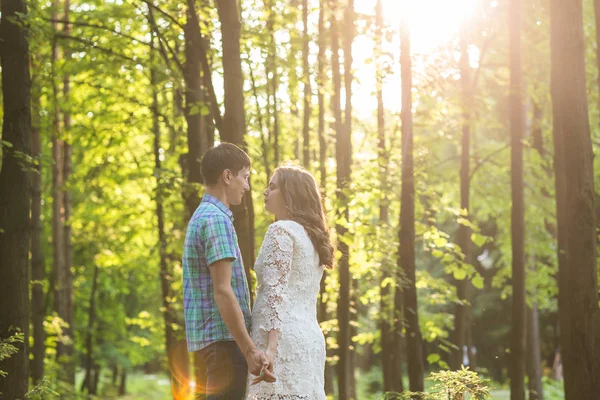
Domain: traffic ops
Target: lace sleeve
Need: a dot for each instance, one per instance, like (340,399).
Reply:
(278,253)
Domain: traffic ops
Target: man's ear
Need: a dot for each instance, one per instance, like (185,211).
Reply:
(227,176)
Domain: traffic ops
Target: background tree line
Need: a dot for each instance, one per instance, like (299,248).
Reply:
(459,178)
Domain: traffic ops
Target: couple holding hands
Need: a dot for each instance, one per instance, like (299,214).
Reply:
(279,342)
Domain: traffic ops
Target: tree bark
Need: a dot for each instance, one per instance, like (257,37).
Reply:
(234,122)
(273,81)
(406,260)
(463,309)
(87,383)
(194,101)
(346,152)
(38,266)
(15,193)
(534,358)
(517,125)
(307,88)
(342,148)
(574,173)
(67,204)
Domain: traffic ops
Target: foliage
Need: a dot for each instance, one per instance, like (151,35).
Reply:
(450,385)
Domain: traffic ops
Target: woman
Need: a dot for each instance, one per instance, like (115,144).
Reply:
(289,268)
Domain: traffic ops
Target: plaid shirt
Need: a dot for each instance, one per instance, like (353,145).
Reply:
(210,237)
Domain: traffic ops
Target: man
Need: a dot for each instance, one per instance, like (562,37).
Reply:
(216,294)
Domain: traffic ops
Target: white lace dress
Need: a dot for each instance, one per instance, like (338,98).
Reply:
(289,275)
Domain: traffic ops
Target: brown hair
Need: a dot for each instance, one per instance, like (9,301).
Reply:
(303,203)
(222,157)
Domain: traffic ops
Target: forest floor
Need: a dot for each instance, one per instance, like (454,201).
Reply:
(156,387)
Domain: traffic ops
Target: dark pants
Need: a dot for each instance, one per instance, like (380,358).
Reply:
(225,372)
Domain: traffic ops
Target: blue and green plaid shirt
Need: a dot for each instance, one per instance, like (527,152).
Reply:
(210,237)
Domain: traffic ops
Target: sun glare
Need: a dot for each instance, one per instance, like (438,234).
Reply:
(431,22)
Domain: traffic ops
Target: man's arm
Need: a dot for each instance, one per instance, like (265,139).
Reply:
(220,272)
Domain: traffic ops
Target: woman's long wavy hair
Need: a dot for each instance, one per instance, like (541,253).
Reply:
(303,202)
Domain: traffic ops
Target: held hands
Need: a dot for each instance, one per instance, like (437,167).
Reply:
(261,365)
(267,369)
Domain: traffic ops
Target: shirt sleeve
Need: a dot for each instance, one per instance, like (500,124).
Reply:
(278,254)
(219,237)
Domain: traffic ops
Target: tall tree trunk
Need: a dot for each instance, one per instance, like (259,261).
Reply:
(15,194)
(58,244)
(87,383)
(194,101)
(519,321)
(346,151)
(321,79)
(123,383)
(390,359)
(38,267)
(307,89)
(574,173)
(597,18)
(463,309)
(263,138)
(234,122)
(67,204)
(273,82)
(342,147)
(406,260)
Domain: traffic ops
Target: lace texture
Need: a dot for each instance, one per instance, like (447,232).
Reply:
(289,276)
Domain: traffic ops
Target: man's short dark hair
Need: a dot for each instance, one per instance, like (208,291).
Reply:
(222,157)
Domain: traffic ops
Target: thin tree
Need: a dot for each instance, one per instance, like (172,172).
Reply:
(406,259)
(14,194)
(390,358)
(38,265)
(519,322)
(462,311)
(579,314)
(272,80)
(346,158)
(307,88)
(342,148)
(67,204)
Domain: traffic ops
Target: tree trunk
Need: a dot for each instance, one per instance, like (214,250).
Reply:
(123,383)
(406,260)
(89,363)
(348,36)
(463,239)
(263,138)
(391,381)
(533,354)
(234,122)
(67,204)
(307,89)
(194,101)
(38,267)
(321,79)
(273,82)
(14,194)
(58,243)
(519,321)
(342,147)
(574,173)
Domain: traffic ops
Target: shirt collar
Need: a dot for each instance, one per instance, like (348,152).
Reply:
(217,203)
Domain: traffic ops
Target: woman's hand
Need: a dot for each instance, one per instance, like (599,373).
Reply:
(267,370)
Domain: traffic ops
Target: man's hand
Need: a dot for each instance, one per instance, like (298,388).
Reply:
(267,370)
(259,364)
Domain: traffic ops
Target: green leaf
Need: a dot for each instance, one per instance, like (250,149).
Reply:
(433,358)
(478,239)
(478,282)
